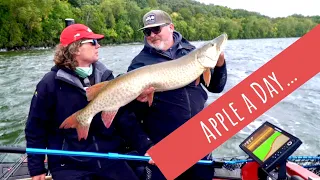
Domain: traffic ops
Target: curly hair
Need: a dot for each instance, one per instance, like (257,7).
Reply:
(64,56)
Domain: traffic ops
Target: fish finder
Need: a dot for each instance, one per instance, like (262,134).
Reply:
(270,146)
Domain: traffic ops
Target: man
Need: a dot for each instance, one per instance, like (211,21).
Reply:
(59,94)
(173,108)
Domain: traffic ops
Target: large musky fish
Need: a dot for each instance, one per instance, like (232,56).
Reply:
(109,96)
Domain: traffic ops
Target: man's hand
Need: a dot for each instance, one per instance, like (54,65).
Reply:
(143,97)
(220,60)
(39,177)
(150,161)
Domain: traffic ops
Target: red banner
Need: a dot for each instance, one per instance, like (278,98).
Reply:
(239,106)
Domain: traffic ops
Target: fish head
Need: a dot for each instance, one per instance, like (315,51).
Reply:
(209,53)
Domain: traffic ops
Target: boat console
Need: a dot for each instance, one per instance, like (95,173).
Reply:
(269,147)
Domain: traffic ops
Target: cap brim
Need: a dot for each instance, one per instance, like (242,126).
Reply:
(151,25)
(95,36)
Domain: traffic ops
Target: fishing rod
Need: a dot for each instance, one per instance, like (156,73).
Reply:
(22,150)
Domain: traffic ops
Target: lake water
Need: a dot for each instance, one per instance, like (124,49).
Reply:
(298,113)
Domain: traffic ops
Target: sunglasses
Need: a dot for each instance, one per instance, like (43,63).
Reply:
(94,42)
(155,30)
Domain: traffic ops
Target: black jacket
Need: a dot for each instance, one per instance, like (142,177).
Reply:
(58,95)
(171,109)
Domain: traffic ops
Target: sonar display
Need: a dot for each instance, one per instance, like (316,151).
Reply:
(265,142)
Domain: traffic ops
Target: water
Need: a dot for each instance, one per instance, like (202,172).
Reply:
(298,113)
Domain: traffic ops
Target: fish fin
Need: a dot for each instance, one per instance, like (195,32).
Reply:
(82,132)
(71,122)
(207,76)
(198,81)
(107,117)
(150,98)
(95,89)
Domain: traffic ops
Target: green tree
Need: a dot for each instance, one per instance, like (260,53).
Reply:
(231,27)
(32,23)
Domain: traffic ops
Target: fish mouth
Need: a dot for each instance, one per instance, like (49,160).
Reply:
(221,40)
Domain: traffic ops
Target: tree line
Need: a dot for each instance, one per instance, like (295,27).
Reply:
(38,23)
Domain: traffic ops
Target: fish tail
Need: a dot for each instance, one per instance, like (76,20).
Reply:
(71,122)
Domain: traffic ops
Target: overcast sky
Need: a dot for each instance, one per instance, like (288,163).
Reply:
(272,8)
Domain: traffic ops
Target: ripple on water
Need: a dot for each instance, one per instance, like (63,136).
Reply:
(10,130)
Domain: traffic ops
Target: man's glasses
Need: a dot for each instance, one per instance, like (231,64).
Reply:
(94,42)
(155,30)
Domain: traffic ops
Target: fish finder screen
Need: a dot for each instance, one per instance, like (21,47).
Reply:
(265,142)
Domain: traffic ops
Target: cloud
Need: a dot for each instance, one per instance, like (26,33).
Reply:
(272,8)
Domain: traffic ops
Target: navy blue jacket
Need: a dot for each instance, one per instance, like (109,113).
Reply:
(171,109)
(58,95)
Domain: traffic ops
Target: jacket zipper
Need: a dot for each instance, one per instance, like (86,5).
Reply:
(188,100)
(62,148)
(97,148)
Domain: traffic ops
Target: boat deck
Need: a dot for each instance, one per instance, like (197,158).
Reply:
(22,173)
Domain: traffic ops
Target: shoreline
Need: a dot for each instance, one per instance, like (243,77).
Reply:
(21,49)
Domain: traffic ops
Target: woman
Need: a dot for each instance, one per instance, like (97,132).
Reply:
(59,94)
